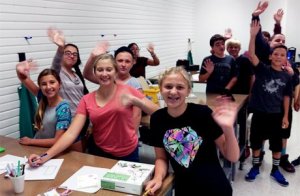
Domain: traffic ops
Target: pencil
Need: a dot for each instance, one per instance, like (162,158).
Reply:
(147,192)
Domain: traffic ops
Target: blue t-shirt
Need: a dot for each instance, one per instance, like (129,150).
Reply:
(55,118)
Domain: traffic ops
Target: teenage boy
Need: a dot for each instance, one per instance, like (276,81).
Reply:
(271,90)
(218,70)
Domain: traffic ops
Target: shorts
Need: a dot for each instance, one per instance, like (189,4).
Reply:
(266,126)
(286,133)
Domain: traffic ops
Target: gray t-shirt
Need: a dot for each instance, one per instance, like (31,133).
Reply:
(71,87)
(133,82)
(55,118)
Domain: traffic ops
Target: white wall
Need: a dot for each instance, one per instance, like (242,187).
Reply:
(292,29)
(215,16)
(166,23)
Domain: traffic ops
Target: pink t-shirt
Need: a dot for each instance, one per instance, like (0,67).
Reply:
(113,128)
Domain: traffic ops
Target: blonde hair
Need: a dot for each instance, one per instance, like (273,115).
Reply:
(176,70)
(105,56)
(232,42)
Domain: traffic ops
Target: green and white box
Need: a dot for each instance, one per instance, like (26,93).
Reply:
(128,177)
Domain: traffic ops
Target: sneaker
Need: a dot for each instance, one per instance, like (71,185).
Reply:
(296,162)
(278,177)
(251,175)
(261,157)
(285,164)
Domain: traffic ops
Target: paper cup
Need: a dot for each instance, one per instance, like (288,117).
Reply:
(18,183)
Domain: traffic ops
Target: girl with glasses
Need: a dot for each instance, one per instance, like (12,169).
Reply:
(66,63)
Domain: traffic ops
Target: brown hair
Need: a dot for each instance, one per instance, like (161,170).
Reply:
(40,112)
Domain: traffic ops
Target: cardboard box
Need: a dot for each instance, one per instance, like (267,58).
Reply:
(128,177)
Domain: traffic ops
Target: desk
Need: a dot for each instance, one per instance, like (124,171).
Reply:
(72,162)
(240,131)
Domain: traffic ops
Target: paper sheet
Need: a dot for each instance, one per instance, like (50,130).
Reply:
(86,179)
(47,171)
(4,160)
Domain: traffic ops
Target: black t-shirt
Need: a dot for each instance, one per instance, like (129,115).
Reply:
(189,144)
(138,69)
(224,70)
(269,89)
(245,70)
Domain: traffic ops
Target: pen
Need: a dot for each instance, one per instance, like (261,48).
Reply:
(23,169)
(147,192)
(41,156)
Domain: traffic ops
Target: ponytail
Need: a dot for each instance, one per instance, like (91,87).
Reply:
(77,70)
(40,112)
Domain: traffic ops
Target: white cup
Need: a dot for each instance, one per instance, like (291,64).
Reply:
(18,183)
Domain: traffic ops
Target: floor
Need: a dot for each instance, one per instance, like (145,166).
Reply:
(263,185)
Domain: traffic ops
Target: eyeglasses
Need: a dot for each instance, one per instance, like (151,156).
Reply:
(135,49)
(69,53)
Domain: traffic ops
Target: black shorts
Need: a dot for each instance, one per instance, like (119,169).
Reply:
(286,133)
(266,126)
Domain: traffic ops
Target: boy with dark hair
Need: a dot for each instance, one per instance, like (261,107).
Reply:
(262,51)
(218,70)
(269,101)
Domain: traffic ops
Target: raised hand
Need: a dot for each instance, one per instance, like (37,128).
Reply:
(228,33)
(150,48)
(209,66)
(225,112)
(278,16)
(255,26)
(23,68)
(100,48)
(56,36)
(261,7)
